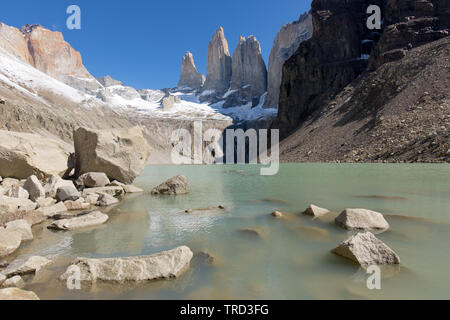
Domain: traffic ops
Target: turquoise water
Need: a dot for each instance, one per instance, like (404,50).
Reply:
(291,258)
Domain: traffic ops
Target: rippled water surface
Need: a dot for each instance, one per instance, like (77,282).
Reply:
(290,259)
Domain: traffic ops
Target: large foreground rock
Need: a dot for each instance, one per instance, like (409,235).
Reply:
(164,265)
(120,153)
(89,220)
(175,185)
(362,220)
(9,242)
(365,249)
(34,188)
(25,154)
(17,294)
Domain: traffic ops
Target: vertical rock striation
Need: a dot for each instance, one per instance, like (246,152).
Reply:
(190,77)
(285,44)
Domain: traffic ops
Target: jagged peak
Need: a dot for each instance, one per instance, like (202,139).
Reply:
(28,28)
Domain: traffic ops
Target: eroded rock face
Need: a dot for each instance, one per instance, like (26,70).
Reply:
(173,186)
(362,219)
(120,153)
(164,265)
(219,70)
(17,294)
(26,154)
(365,249)
(285,44)
(190,77)
(248,67)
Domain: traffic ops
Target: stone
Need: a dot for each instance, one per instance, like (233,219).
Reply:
(25,154)
(85,221)
(132,189)
(9,242)
(92,199)
(105,200)
(315,211)
(93,180)
(219,69)
(121,154)
(17,294)
(10,182)
(2,279)
(116,183)
(79,204)
(33,217)
(190,77)
(14,282)
(362,219)
(17,192)
(22,227)
(67,193)
(112,191)
(277,214)
(173,186)
(53,210)
(34,188)
(169,101)
(45,202)
(31,266)
(164,265)
(12,205)
(365,249)
(54,183)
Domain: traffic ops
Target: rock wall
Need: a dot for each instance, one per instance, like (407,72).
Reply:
(190,77)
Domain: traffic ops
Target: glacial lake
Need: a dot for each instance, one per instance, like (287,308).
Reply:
(291,258)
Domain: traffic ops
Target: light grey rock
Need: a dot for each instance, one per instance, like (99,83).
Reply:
(121,154)
(12,205)
(93,180)
(79,204)
(315,211)
(53,210)
(17,192)
(190,77)
(31,266)
(132,189)
(116,183)
(10,182)
(34,188)
(164,265)
(17,294)
(112,191)
(85,221)
(106,200)
(92,199)
(9,242)
(362,220)
(14,282)
(21,226)
(45,202)
(173,186)
(67,193)
(365,249)
(54,183)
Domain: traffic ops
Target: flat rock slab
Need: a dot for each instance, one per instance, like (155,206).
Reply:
(164,265)
(362,220)
(365,249)
(54,210)
(173,186)
(17,294)
(89,220)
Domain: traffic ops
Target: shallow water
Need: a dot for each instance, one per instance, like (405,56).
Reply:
(285,259)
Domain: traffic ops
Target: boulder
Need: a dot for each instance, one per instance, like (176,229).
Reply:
(112,191)
(17,294)
(315,211)
(25,154)
(14,282)
(11,182)
(89,220)
(67,193)
(362,220)
(164,265)
(93,180)
(121,154)
(12,205)
(45,202)
(33,217)
(17,192)
(21,226)
(54,183)
(9,242)
(365,249)
(34,188)
(105,200)
(175,185)
(132,189)
(53,210)
(79,204)
(31,266)
(92,199)
(116,183)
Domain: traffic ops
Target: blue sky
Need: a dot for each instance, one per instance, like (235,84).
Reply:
(141,42)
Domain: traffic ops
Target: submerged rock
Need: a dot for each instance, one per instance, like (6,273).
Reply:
(17,294)
(164,265)
(85,221)
(9,242)
(14,282)
(105,200)
(365,249)
(315,211)
(175,185)
(31,266)
(362,219)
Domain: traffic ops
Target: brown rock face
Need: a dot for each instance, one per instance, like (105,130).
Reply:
(219,70)
(190,77)
(248,67)
(284,46)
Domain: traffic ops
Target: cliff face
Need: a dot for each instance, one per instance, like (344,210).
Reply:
(284,46)
(13,41)
(190,77)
